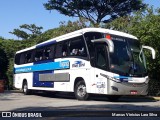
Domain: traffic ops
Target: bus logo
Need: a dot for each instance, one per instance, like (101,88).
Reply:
(64,64)
(78,64)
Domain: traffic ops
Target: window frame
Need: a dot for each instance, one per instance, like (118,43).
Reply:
(81,37)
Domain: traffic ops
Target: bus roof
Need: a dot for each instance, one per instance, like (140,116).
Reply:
(80,32)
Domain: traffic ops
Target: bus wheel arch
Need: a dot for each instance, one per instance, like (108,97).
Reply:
(25,89)
(80,89)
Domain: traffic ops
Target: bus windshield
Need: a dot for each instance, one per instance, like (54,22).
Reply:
(127,58)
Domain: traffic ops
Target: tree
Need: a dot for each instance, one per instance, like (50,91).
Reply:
(64,28)
(3,61)
(33,30)
(20,33)
(95,11)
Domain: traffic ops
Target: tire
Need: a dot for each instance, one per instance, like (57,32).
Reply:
(26,91)
(80,91)
(113,98)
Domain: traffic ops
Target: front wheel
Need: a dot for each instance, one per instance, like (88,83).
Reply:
(80,91)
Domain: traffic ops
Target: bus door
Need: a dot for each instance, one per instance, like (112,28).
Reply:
(101,67)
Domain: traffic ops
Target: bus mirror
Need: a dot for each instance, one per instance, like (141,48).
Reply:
(105,40)
(152,51)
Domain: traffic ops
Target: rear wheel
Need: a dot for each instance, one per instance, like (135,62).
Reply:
(80,91)
(26,91)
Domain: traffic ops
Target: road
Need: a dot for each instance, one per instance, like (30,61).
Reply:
(16,101)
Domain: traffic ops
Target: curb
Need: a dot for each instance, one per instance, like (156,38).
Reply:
(143,97)
(156,98)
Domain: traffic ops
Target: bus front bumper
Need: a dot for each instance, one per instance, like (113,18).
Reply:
(126,88)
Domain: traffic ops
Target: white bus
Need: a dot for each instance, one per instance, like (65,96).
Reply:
(87,61)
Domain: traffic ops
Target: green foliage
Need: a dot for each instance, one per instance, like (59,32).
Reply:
(95,10)
(20,33)
(64,28)
(9,72)
(3,61)
(33,30)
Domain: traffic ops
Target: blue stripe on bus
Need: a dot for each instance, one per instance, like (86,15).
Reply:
(46,44)
(45,83)
(44,67)
(123,78)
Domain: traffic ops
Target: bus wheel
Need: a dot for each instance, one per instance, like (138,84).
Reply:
(80,91)
(113,98)
(26,91)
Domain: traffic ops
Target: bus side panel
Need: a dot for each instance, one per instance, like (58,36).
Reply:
(20,76)
(36,79)
(91,86)
(79,68)
(74,72)
(38,83)
(18,79)
(62,85)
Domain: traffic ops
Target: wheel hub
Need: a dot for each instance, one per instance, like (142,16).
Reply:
(81,90)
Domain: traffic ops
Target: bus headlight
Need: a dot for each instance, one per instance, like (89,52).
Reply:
(147,79)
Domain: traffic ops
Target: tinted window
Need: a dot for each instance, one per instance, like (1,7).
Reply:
(101,57)
(48,52)
(77,47)
(28,57)
(91,36)
(65,49)
(61,49)
(38,55)
(22,58)
(58,52)
(17,58)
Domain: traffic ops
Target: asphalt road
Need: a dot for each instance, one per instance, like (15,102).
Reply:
(16,101)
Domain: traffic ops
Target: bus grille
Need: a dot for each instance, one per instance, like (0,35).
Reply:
(134,84)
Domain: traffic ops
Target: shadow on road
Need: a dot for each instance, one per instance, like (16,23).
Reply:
(93,97)
(95,111)
(86,112)
(65,95)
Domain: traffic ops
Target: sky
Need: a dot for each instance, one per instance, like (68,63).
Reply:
(14,13)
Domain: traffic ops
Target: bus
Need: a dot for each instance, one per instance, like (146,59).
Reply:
(86,61)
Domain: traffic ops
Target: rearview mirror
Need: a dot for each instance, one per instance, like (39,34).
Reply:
(152,51)
(105,40)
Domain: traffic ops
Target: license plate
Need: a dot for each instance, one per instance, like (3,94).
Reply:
(134,92)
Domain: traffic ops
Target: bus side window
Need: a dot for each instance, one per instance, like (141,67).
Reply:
(61,49)
(47,53)
(38,55)
(17,58)
(22,58)
(28,57)
(58,52)
(77,47)
(64,49)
